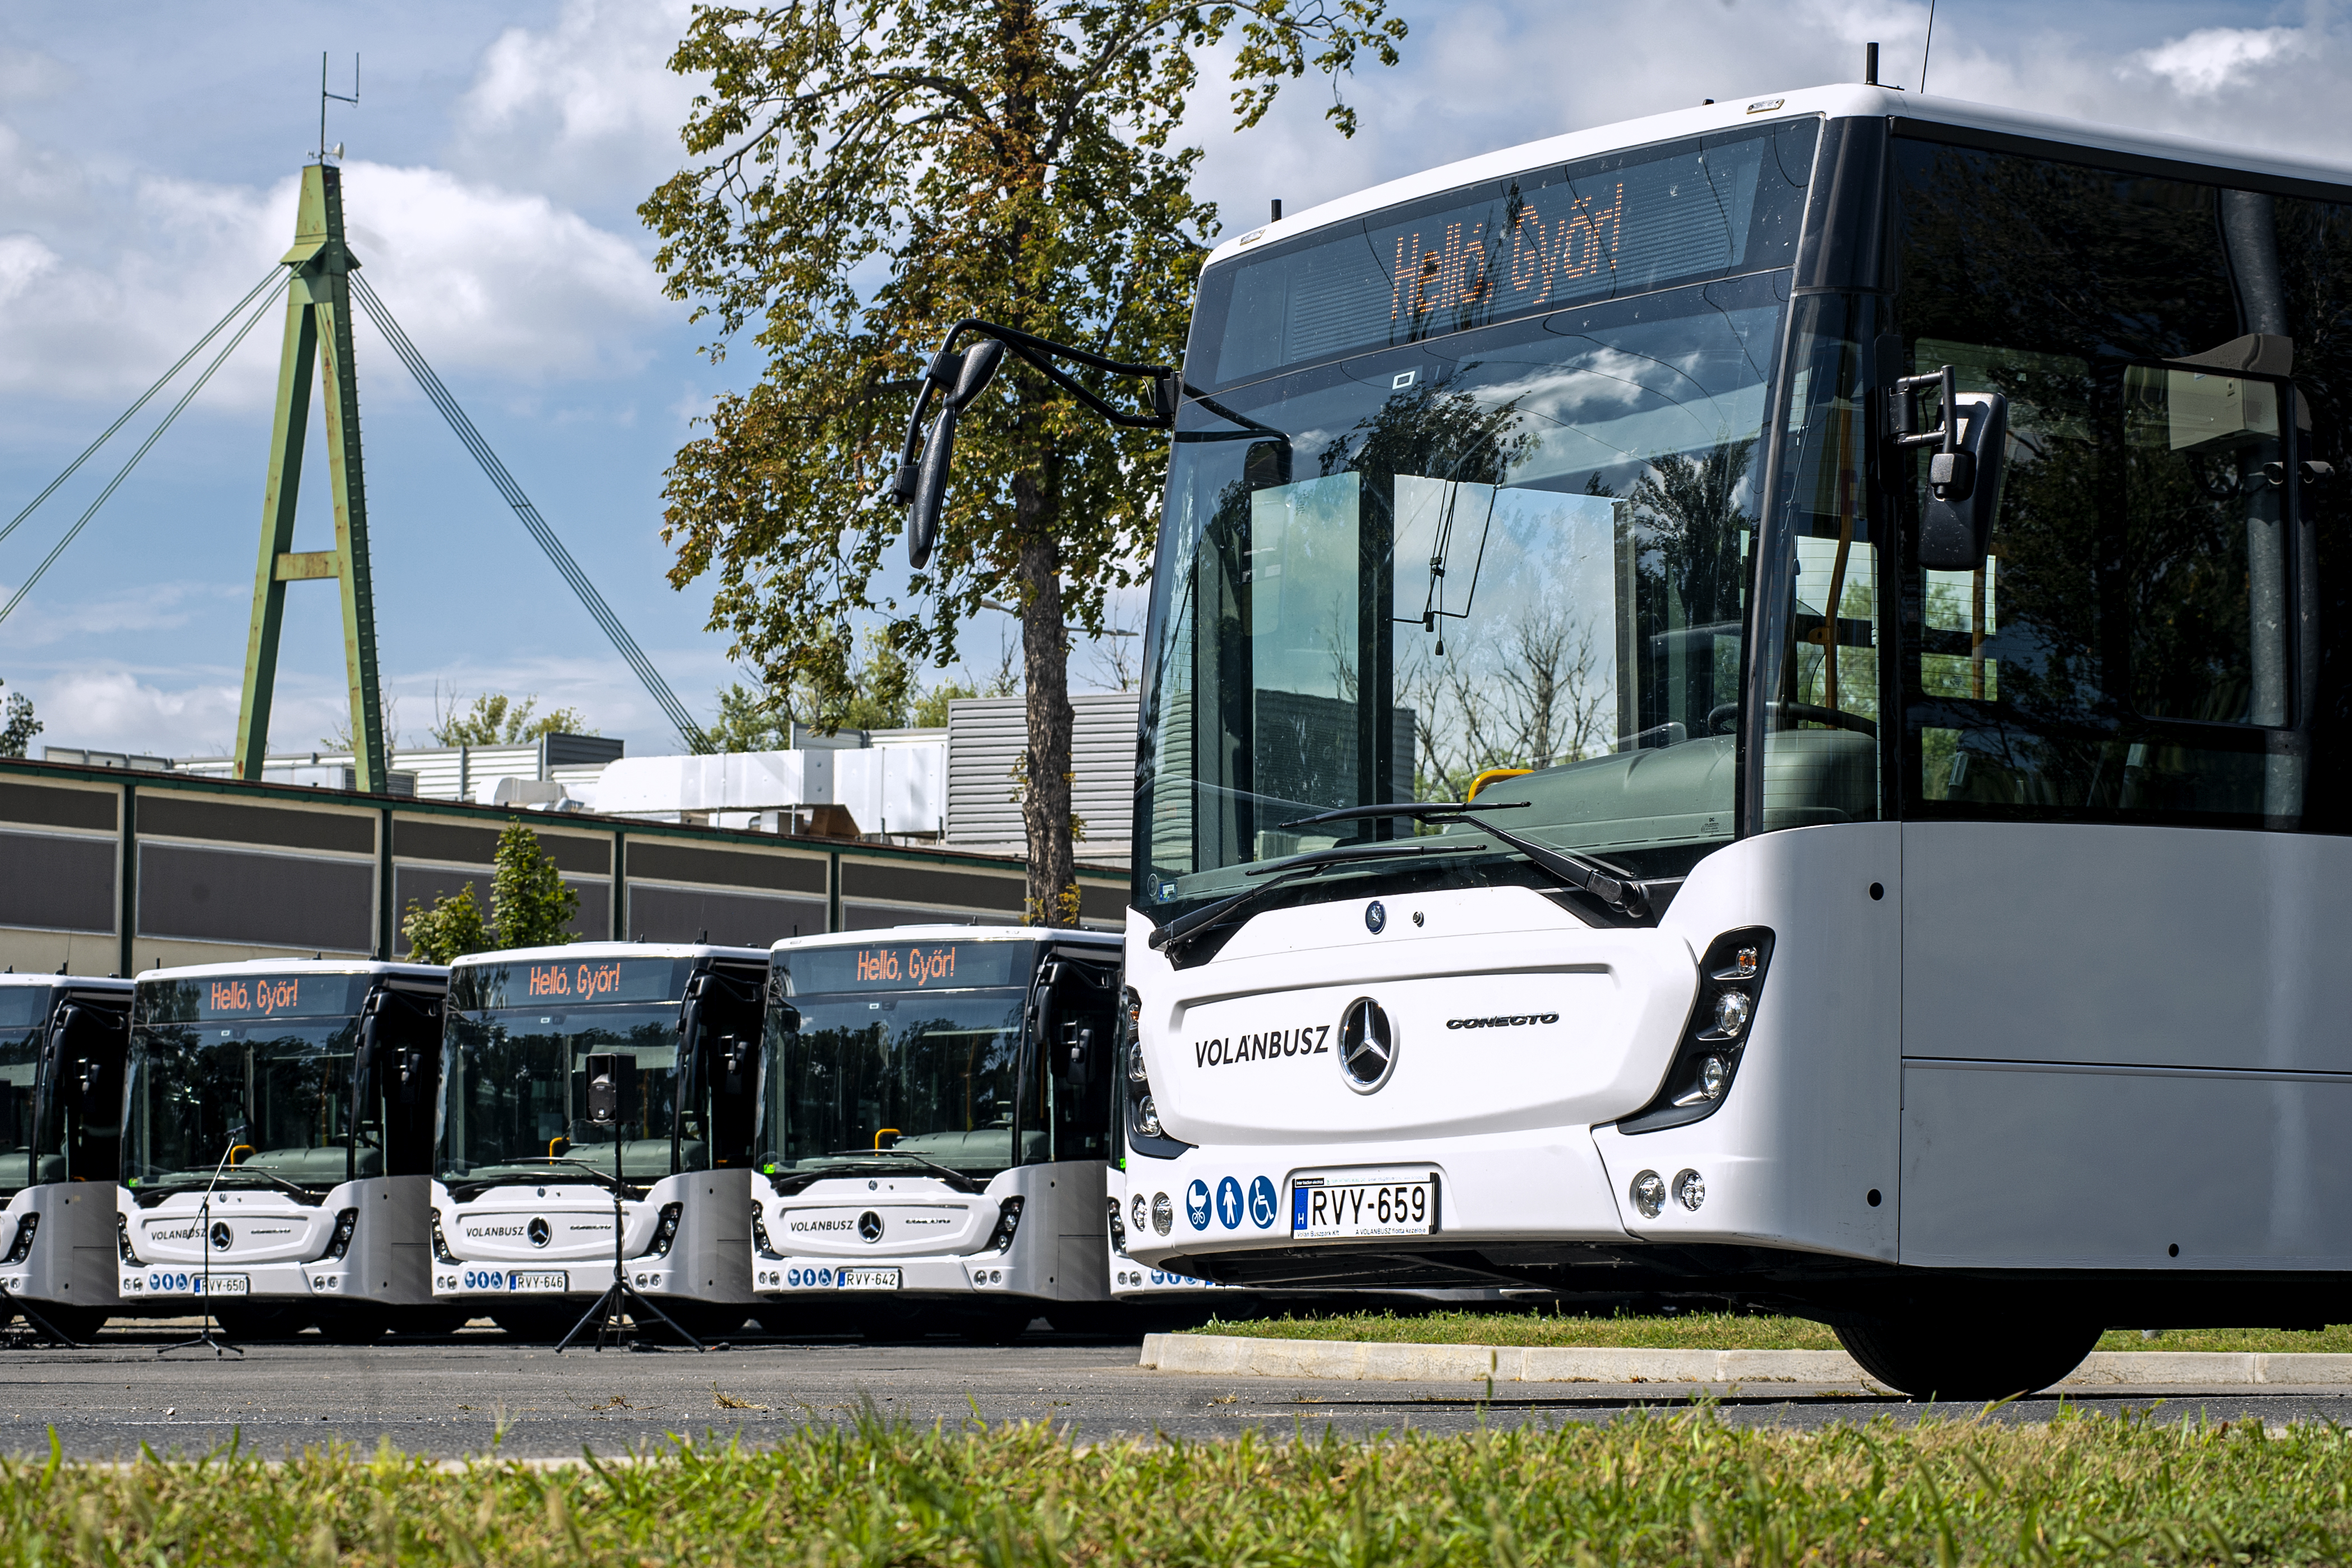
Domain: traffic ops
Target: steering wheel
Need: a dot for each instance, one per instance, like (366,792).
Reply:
(1720,718)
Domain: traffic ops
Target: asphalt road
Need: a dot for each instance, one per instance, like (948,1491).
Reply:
(478,1391)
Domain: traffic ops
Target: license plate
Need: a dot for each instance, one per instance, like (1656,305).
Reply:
(865,1279)
(1342,1204)
(187,1282)
(548,1280)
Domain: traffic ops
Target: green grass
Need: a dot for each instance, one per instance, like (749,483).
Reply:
(1698,1330)
(1650,1489)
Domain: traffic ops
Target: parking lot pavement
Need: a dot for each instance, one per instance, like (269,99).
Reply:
(478,1392)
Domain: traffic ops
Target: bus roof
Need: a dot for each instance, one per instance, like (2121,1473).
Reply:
(431,972)
(1839,101)
(74,982)
(577,950)
(944,932)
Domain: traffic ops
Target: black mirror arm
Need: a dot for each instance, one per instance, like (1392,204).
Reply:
(940,376)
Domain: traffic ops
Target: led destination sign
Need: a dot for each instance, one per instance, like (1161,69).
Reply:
(908,966)
(572,983)
(250,998)
(1600,228)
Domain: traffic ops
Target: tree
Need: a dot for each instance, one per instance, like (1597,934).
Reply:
(340,738)
(884,694)
(497,720)
(451,928)
(863,176)
(17,734)
(531,906)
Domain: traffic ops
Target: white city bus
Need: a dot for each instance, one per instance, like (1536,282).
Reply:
(570,1073)
(1872,567)
(277,1137)
(62,1041)
(934,1111)
(1159,1293)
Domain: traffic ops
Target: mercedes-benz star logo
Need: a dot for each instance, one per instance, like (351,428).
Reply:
(538,1231)
(869,1227)
(221,1236)
(1376,917)
(1367,1046)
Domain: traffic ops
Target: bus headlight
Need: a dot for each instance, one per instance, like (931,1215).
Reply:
(1008,1220)
(665,1232)
(1147,1119)
(1649,1193)
(1117,1226)
(441,1252)
(1136,1072)
(22,1247)
(340,1242)
(1690,1190)
(760,1232)
(123,1247)
(1707,1062)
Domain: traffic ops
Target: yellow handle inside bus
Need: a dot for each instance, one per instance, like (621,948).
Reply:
(877,1136)
(1490,775)
(236,1149)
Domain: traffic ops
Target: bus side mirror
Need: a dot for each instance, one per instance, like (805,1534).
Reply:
(788,1019)
(608,1084)
(964,377)
(1964,486)
(1078,1060)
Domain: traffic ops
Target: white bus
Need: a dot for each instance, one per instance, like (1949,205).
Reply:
(570,1073)
(1751,706)
(1159,1294)
(276,1141)
(934,1112)
(62,1041)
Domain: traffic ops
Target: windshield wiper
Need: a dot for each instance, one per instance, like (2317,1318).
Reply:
(304,1193)
(1613,885)
(953,1177)
(1282,873)
(517,1177)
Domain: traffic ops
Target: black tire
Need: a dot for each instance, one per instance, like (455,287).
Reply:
(261,1325)
(539,1323)
(79,1324)
(1967,1360)
(429,1323)
(353,1325)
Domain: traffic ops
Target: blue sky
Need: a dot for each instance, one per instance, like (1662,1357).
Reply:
(148,154)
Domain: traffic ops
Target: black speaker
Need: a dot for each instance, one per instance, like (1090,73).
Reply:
(612,1087)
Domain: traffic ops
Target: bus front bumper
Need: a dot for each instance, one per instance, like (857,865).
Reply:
(969,1276)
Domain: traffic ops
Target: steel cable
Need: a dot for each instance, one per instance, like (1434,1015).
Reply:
(504,482)
(125,472)
(161,382)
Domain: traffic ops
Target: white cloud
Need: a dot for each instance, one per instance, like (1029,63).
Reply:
(2211,58)
(116,711)
(590,105)
(483,278)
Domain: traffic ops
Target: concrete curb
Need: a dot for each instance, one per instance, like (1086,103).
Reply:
(1234,1355)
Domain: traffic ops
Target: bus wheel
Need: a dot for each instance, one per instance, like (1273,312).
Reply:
(994,1325)
(354,1326)
(1979,1358)
(259,1325)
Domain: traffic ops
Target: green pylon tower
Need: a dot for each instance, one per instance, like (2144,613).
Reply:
(317,323)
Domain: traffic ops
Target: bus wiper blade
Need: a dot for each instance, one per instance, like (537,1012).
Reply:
(304,1193)
(1613,885)
(1282,873)
(954,1178)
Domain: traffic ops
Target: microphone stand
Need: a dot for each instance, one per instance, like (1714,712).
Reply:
(620,1294)
(204,1245)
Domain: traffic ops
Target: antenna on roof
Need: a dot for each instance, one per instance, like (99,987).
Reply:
(1869,76)
(1928,45)
(337,150)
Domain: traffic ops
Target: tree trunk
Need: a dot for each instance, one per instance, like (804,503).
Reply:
(1045,657)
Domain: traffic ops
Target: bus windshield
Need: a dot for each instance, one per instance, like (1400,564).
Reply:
(930,1077)
(269,1096)
(1466,490)
(515,1094)
(23,1011)
(1519,548)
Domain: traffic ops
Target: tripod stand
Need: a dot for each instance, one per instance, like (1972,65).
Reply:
(9,1300)
(620,1295)
(205,1336)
